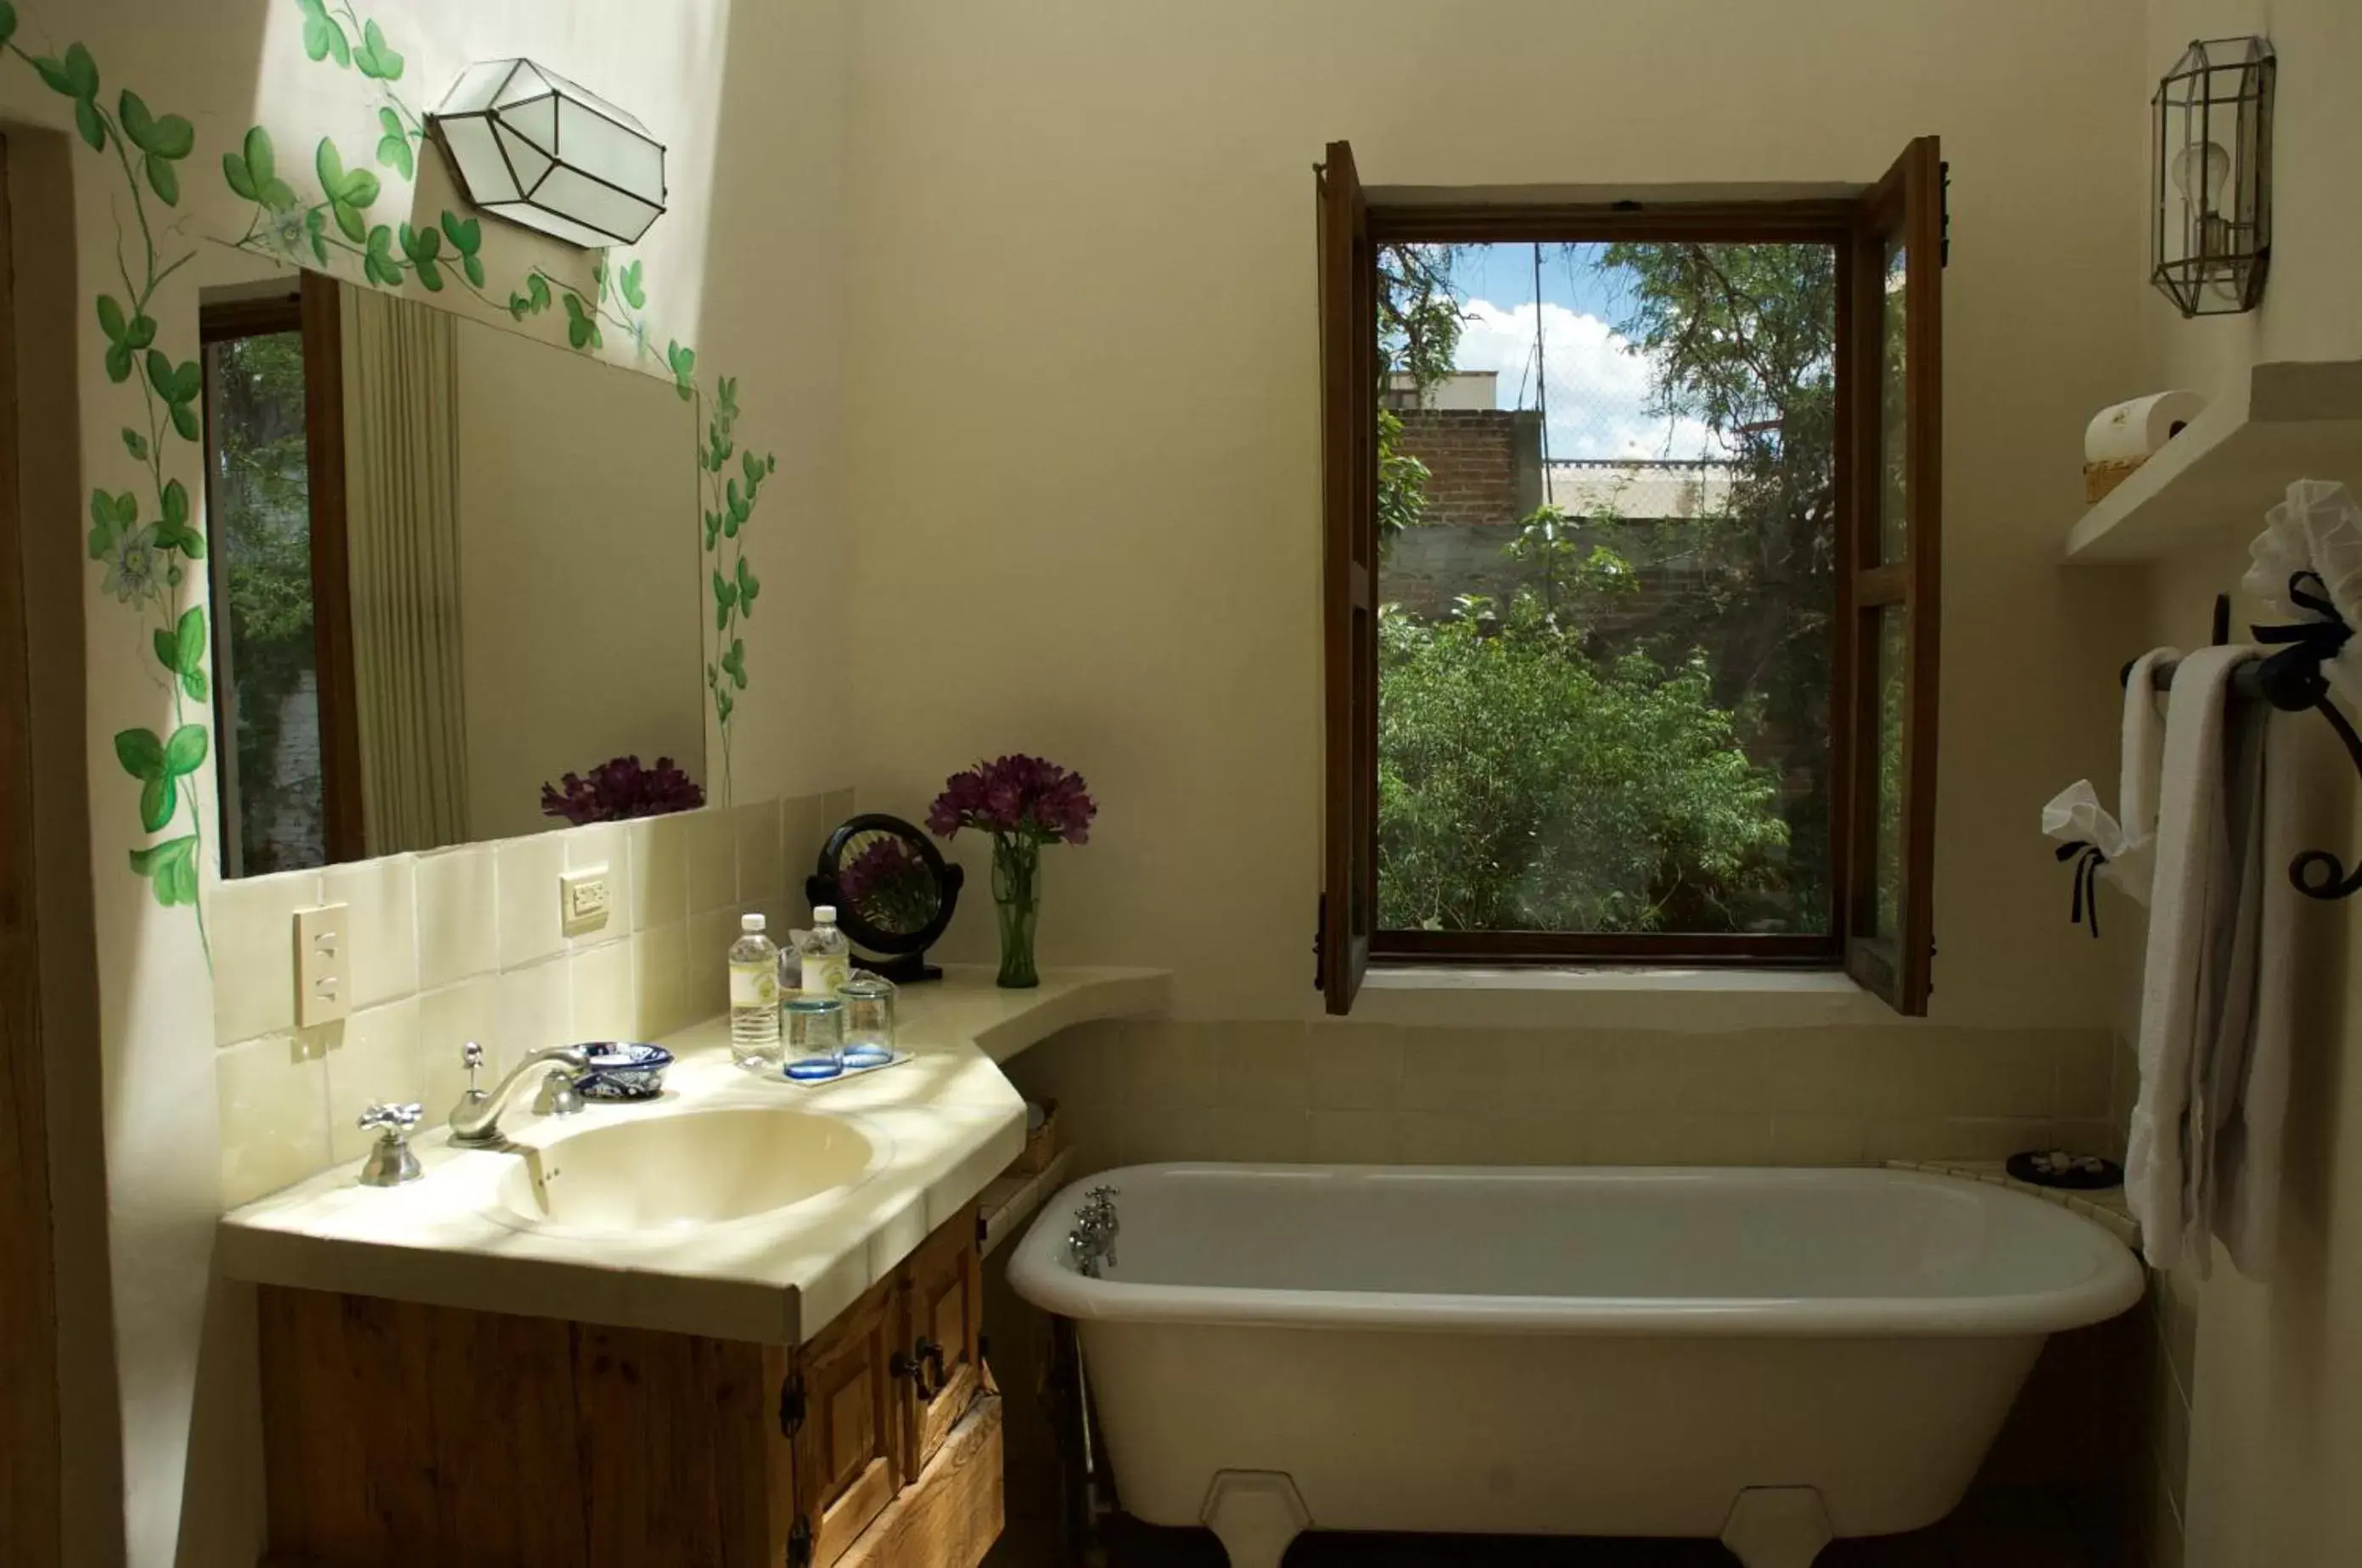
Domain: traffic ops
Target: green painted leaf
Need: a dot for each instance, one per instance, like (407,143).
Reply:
(324,36)
(167,651)
(176,505)
(420,244)
(7,21)
(193,544)
(109,516)
(393,151)
(76,75)
(162,178)
(170,869)
(174,384)
(111,319)
(169,137)
(118,362)
(184,754)
(159,798)
(519,307)
(194,682)
(736,663)
(184,421)
(378,263)
(133,441)
(713,527)
(683,362)
(189,639)
(473,266)
(141,753)
(239,178)
(721,706)
(633,295)
(724,591)
(466,234)
(350,192)
(373,58)
(538,287)
(140,332)
(430,273)
(261,160)
(726,397)
(753,466)
(316,223)
(748,587)
(87,121)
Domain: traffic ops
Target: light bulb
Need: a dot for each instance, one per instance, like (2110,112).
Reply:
(2206,166)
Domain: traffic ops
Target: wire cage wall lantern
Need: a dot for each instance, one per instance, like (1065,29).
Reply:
(533,147)
(2211,177)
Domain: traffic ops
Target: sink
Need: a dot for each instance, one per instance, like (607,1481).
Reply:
(693,1168)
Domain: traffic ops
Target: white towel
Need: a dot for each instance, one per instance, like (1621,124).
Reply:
(2126,839)
(2192,911)
(2244,1204)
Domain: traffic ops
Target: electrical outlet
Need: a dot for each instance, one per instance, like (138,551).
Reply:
(324,966)
(582,900)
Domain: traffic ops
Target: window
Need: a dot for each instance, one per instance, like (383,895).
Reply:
(1631,591)
(274,477)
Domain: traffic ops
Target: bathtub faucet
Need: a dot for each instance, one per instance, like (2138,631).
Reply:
(1092,1241)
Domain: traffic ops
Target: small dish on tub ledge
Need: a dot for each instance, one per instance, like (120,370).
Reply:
(623,1070)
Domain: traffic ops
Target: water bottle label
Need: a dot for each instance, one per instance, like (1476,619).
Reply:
(824,972)
(753,986)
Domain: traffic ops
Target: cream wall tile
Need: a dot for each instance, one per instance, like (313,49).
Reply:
(660,857)
(1539,1137)
(2086,1070)
(448,1020)
(1904,1072)
(762,876)
(604,1004)
(1998,1073)
(1439,1071)
(837,805)
(377,1062)
(804,827)
(1260,1134)
(458,898)
(1442,1137)
(1351,1137)
(380,925)
(658,984)
(712,858)
(533,1011)
(1353,1067)
(603,844)
(274,1114)
(1261,1066)
(1680,1139)
(1815,1074)
(705,964)
(1157,1132)
(1811,1138)
(1087,1066)
(529,870)
(251,925)
(1171,1064)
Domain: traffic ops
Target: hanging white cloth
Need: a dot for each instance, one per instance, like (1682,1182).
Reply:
(2124,841)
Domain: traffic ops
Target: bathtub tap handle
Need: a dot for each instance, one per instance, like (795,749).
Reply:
(1092,1241)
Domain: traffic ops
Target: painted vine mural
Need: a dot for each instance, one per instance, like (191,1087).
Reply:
(145,539)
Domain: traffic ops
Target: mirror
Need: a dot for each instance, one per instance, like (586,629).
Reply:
(894,892)
(451,565)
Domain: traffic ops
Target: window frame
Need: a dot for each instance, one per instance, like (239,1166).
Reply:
(310,306)
(1858,229)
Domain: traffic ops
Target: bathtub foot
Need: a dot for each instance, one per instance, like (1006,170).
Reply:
(1255,1514)
(1777,1527)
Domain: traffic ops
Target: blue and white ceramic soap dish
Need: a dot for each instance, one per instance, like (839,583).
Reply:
(623,1070)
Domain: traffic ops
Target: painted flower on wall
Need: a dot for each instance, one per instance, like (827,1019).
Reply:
(135,569)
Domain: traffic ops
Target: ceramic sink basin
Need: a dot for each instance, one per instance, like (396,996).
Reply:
(690,1169)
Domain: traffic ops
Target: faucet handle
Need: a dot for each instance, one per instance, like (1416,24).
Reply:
(471,1057)
(1103,1196)
(392,1120)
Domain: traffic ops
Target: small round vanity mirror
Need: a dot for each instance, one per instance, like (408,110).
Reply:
(893,891)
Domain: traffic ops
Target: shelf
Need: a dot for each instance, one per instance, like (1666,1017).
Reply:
(2290,420)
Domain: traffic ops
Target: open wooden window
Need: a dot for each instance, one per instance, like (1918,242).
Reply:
(1855,842)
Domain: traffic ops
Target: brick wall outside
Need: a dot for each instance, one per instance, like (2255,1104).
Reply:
(1483,465)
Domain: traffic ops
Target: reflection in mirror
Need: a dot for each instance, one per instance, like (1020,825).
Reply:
(456,575)
(882,879)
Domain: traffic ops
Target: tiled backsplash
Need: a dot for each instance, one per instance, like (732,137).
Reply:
(1144,1090)
(465,944)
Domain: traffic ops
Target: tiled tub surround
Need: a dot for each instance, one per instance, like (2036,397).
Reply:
(1138,1090)
(465,943)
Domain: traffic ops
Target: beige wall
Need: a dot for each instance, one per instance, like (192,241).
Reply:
(1083,455)
(2264,1471)
(580,583)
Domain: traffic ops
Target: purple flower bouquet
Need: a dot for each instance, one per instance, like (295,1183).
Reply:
(1024,802)
(620,789)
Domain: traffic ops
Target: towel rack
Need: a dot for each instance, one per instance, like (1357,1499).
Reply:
(2291,681)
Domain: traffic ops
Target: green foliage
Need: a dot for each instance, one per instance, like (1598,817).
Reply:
(581,322)
(393,147)
(324,36)
(373,58)
(252,172)
(76,75)
(1419,332)
(1521,786)
(349,192)
(162,143)
(170,869)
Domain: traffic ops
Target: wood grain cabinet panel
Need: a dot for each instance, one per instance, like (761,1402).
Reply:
(396,1434)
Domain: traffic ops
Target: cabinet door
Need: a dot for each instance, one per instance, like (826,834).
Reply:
(943,1307)
(848,1442)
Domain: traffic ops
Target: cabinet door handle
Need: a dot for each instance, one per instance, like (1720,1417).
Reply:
(927,1357)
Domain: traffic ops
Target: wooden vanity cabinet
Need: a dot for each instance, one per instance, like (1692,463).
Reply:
(396,1434)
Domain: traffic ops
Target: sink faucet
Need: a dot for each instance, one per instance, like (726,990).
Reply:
(1092,1241)
(476,1120)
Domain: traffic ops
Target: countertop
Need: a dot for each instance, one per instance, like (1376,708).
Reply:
(946,1122)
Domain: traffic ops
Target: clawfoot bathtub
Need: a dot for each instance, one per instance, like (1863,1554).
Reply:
(1774,1357)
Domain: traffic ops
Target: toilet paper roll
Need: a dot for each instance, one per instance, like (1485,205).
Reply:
(2131,431)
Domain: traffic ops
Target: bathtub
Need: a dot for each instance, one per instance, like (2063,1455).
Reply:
(1775,1357)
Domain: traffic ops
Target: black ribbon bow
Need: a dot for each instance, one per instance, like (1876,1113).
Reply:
(2086,906)
(2304,645)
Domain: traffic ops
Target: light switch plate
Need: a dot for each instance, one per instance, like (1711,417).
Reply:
(323,965)
(582,900)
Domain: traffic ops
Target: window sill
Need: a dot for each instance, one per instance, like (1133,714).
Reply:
(1614,996)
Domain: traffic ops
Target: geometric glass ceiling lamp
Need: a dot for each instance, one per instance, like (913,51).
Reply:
(534,149)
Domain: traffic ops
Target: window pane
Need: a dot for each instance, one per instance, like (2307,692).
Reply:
(1893,410)
(1893,671)
(261,493)
(1607,506)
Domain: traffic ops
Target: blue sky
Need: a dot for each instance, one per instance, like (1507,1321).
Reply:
(1597,389)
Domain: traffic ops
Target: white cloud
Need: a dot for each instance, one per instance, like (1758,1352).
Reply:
(1598,387)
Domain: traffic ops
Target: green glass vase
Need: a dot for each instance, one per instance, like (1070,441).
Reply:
(1017,895)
